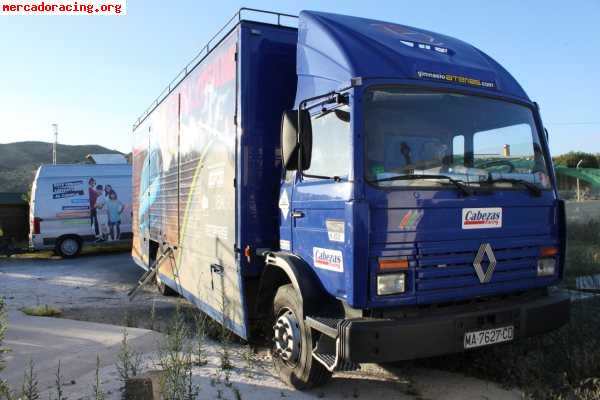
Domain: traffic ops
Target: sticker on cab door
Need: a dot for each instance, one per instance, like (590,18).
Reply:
(335,230)
(410,220)
(481,218)
(328,259)
(284,204)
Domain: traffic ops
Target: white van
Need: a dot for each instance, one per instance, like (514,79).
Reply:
(73,204)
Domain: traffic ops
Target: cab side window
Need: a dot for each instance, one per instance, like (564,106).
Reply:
(331,144)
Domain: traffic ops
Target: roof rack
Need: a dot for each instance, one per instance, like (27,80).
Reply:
(207,48)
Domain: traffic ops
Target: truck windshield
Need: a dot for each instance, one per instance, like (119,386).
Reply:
(474,140)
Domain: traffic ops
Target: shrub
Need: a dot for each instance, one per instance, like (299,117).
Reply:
(129,361)
(42,311)
(571,159)
(176,361)
(4,391)
(97,392)
(30,383)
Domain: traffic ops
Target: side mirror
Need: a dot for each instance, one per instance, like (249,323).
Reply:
(342,115)
(290,140)
(547,136)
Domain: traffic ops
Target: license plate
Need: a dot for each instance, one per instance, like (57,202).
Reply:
(488,336)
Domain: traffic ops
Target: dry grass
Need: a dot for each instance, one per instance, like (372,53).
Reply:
(42,311)
(4,390)
(563,364)
(88,249)
(583,251)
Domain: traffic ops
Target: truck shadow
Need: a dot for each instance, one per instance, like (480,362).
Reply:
(346,386)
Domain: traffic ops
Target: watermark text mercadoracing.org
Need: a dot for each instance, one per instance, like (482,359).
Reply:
(63,7)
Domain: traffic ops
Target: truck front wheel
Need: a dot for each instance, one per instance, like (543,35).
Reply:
(293,343)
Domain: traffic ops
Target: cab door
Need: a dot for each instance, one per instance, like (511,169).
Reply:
(318,210)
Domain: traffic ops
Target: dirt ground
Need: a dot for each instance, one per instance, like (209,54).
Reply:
(94,288)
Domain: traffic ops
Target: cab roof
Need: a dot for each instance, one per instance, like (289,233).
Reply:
(334,48)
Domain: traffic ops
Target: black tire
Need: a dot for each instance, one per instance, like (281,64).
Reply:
(68,247)
(163,288)
(305,372)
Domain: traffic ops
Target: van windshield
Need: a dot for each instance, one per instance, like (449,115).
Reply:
(474,140)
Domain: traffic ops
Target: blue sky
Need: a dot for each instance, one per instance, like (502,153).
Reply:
(93,75)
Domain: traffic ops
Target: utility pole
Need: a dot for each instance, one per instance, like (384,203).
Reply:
(55,128)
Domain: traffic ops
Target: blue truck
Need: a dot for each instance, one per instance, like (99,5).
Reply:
(354,190)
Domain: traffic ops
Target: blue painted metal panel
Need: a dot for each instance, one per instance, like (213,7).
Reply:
(320,200)
(267,86)
(333,48)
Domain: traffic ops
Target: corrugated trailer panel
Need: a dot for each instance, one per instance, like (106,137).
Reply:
(207,256)
(138,189)
(164,135)
(214,156)
(191,191)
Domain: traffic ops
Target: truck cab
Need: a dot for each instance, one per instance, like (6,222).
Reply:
(418,199)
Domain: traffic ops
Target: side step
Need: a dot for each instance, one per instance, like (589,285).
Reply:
(149,275)
(330,349)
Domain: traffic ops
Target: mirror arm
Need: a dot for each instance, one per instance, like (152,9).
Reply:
(301,106)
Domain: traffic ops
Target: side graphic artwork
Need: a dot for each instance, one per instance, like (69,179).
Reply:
(184,194)
(108,209)
(102,203)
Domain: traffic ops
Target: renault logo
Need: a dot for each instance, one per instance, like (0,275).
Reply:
(485,250)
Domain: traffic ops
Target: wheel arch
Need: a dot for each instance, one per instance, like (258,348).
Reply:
(283,268)
(71,236)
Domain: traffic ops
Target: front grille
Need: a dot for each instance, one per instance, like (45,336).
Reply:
(448,267)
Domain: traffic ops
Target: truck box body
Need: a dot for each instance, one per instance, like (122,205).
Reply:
(427,211)
(61,207)
(206,183)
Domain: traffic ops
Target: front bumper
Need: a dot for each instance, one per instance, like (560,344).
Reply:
(382,340)
(359,340)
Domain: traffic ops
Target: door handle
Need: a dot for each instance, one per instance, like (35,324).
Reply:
(297,214)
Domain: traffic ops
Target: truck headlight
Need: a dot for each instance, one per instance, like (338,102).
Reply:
(390,284)
(546,266)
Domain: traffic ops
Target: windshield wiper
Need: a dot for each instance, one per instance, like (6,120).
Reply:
(335,177)
(459,185)
(533,189)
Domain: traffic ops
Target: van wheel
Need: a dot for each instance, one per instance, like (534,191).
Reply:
(68,247)
(163,288)
(293,343)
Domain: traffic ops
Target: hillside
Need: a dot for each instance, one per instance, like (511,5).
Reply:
(20,160)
